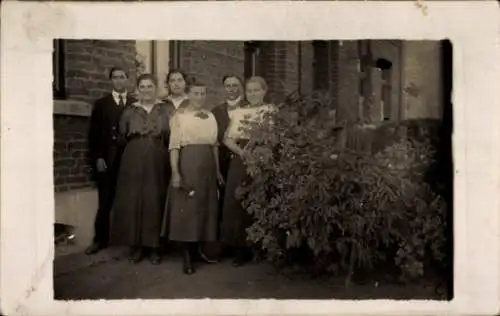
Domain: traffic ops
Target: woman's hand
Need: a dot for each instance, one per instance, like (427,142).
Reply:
(176,180)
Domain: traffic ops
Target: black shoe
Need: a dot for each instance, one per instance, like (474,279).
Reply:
(136,256)
(155,257)
(187,265)
(94,248)
(188,268)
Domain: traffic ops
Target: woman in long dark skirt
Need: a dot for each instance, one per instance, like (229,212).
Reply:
(236,219)
(192,206)
(144,174)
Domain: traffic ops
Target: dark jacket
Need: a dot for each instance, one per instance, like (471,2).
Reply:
(222,118)
(104,130)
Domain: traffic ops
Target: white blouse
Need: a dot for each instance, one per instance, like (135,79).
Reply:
(239,116)
(186,128)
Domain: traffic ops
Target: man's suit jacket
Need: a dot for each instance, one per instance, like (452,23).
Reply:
(104,138)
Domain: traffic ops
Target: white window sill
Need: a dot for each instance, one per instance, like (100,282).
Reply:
(72,108)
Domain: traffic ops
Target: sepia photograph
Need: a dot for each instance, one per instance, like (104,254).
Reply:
(255,169)
(249,158)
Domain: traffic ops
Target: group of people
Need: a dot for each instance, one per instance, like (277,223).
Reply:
(168,169)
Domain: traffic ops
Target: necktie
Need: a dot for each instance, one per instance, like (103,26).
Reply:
(121,103)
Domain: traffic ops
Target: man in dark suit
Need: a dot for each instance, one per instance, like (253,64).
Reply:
(234,97)
(105,152)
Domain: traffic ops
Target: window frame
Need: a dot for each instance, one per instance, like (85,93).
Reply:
(251,63)
(59,69)
(321,65)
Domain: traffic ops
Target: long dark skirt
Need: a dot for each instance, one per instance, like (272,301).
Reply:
(235,219)
(140,193)
(193,209)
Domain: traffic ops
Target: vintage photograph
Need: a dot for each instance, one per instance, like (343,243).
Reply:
(317,169)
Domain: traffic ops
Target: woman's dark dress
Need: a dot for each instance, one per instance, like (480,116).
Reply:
(143,176)
(236,219)
(193,217)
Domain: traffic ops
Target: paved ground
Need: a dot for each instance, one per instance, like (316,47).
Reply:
(104,276)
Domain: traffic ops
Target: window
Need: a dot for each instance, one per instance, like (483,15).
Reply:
(321,68)
(386,88)
(146,57)
(154,57)
(375,80)
(387,94)
(364,73)
(58,70)
(251,58)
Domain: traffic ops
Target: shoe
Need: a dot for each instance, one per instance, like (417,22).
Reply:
(188,268)
(155,257)
(136,257)
(94,248)
(187,265)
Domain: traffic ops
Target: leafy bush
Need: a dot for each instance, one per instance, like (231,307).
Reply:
(332,192)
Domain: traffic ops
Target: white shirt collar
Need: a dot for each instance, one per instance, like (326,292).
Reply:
(177,101)
(233,102)
(116,96)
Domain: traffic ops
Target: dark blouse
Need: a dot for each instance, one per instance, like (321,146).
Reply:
(135,121)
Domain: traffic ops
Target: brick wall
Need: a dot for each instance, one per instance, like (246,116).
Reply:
(71,166)
(209,61)
(422,79)
(278,63)
(292,70)
(87,63)
(348,81)
(306,65)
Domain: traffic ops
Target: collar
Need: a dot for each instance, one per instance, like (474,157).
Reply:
(138,103)
(178,99)
(177,102)
(117,95)
(234,102)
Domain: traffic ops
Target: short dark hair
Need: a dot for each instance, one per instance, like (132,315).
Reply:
(147,77)
(115,69)
(175,71)
(240,80)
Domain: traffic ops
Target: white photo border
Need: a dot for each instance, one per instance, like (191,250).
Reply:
(27,204)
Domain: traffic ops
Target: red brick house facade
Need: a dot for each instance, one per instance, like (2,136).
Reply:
(410,88)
